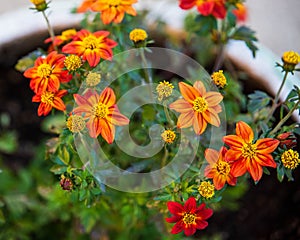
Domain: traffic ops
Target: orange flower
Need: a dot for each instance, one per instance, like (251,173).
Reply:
(247,155)
(114,10)
(91,46)
(65,36)
(101,112)
(85,6)
(240,12)
(206,7)
(49,100)
(48,73)
(218,169)
(197,107)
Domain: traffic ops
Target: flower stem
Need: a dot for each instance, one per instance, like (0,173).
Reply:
(145,64)
(164,159)
(220,58)
(282,121)
(171,122)
(50,30)
(275,102)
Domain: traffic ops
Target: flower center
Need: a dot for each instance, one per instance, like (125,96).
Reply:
(249,150)
(223,167)
(114,3)
(47,97)
(200,105)
(168,136)
(91,42)
(100,110)
(206,189)
(290,159)
(44,70)
(189,218)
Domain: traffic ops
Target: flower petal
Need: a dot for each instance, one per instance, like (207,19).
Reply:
(244,131)
(213,98)
(190,230)
(108,131)
(107,97)
(188,92)
(190,205)
(178,227)
(181,106)
(233,141)
(255,170)
(185,119)
(211,156)
(199,86)
(175,207)
(238,168)
(267,145)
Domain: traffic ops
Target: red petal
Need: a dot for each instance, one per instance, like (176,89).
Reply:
(190,205)
(178,227)
(267,145)
(219,181)
(206,8)
(173,219)
(265,160)
(201,224)
(107,97)
(238,168)
(233,141)
(175,208)
(187,4)
(255,170)
(244,131)
(233,155)
(94,127)
(108,131)
(190,230)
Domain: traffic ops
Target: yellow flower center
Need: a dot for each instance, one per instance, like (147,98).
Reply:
(248,150)
(189,218)
(223,167)
(137,35)
(91,42)
(290,159)
(75,123)
(72,62)
(168,136)
(37,2)
(44,70)
(206,189)
(164,90)
(219,79)
(93,79)
(114,3)
(47,97)
(291,57)
(200,105)
(100,110)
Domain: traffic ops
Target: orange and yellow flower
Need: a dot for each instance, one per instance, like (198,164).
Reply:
(206,7)
(197,107)
(114,10)
(47,73)
(247,155)
(218,169)
(91,46)
(49,100)
(188,218)
(240,12)
(101,113)
(85,6)
(65,36)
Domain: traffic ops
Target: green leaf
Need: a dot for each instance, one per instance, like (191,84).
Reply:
(2,218)
(247,35)
(258,100)
(280,173)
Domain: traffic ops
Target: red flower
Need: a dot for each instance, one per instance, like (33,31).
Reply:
(49,100)
(197,107)
(219,169)
(240,12)
(101,112)
(48,73)
(206,7)
(188,218)
(91,46)
(247,155)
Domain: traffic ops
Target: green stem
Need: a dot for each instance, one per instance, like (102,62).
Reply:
(50,30)
(282,121)
(275,103)
(164,159)
(171,122)
(145,64)
(220,58)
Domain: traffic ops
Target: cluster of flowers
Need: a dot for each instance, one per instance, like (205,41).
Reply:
(198,107)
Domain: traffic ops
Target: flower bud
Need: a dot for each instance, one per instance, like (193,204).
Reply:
(40,5)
